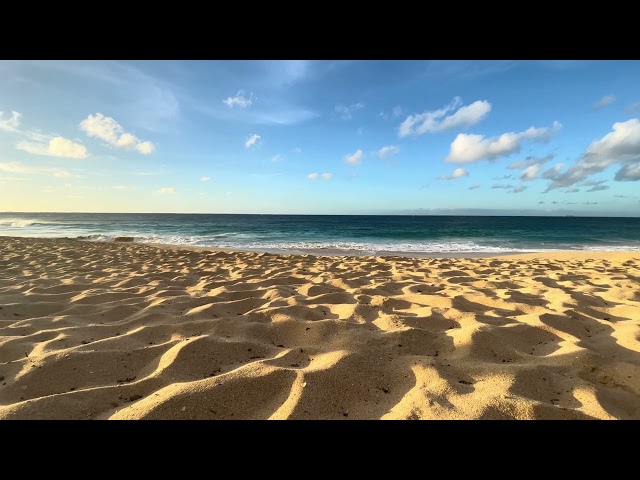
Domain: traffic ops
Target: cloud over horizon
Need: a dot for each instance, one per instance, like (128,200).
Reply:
(57,147)
(467,148)
(442,119)
(620,146)
(109,130)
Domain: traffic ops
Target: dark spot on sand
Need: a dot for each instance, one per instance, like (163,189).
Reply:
(128,379)
(256,356)
(280,346)
(72,389)
(1,379)
(295,364)
(464,382)
(133,398)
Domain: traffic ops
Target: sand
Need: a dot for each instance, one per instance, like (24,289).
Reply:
(130,331)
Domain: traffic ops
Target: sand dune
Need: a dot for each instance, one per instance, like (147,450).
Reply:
(129,331)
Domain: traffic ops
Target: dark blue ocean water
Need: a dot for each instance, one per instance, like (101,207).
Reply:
(353,234)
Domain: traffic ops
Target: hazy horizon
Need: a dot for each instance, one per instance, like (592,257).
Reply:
(533,138)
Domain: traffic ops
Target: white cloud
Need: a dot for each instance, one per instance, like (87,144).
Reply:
(388,151)
(530,172)
(296,150)
(205,179)
(442,119)
(468,148)
(620,146)
(474,187)
(518,189)
(355,158)
(10,124)
(57,147)
(239,100)
(604,101)
(628,173)
(107,129)
(457,173)
(277,158)
(346,111)
(166,191)
(17,167)
(324,176)
(397,111)
(252,140)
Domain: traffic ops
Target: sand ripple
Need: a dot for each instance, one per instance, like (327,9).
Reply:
(127,331)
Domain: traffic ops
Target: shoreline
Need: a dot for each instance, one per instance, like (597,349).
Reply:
(123,330)
(336,253)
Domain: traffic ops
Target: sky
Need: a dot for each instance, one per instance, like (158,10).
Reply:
(321,137)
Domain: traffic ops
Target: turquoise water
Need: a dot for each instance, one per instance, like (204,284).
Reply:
(352,234)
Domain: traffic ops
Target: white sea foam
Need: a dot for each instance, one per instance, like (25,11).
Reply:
(20,222)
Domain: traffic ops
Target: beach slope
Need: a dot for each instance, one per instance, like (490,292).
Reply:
(130,331)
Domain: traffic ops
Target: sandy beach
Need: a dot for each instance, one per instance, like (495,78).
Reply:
(132,331)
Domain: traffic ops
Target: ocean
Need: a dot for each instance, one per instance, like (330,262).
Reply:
(339,234)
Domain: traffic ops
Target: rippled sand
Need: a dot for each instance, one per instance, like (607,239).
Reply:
(128,331)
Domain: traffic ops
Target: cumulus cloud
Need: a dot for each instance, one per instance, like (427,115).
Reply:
(388,151)
(57,147)
(457,173)
(205,179)
(450,116)
(11,123)
(467,148)
(474,187)
(346,111)
(107,129)
(604,101)
(324,176)
(530,172)
(355,158)
(252,140)
(166,191)
(620,146)
(239,100)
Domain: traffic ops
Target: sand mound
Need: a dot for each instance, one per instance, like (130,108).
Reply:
(129,331)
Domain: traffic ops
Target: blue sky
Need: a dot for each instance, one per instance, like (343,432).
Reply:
(540,137)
